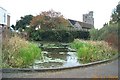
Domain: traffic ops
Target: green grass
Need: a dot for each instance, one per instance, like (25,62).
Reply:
(29,54)
(90,51)
(19,53)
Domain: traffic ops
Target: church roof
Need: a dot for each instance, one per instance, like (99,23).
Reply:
(83,24)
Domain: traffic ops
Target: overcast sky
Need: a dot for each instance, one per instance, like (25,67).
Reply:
(72,9)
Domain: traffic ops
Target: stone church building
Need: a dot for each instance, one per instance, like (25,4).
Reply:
(88,22)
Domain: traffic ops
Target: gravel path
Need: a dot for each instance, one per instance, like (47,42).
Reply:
(106,70)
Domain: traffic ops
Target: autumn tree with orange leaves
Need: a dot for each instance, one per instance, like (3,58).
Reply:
(49,20)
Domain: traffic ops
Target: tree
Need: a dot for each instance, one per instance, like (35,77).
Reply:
(13,27)
(118,9)
(23,22)
(115,17)
(109,32)
(49,20)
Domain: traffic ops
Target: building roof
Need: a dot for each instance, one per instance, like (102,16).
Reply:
(72,21)
(3,8)
(83,24)
(86,25)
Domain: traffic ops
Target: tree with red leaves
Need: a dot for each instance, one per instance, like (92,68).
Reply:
(49,20)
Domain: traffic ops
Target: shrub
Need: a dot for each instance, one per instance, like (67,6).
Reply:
(94,34)
(108,33)
(59,35)
(18,52)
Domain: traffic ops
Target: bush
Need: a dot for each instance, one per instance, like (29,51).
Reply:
(108,33)
(94,34)
(18,52)
(59,35)
(90,51)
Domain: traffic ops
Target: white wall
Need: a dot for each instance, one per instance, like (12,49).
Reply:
(3,16)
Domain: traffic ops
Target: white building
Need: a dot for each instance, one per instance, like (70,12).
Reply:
(4,18)
(4,23)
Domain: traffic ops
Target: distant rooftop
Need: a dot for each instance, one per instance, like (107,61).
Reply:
(72,21)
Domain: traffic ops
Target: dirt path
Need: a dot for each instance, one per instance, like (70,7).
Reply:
(106,70)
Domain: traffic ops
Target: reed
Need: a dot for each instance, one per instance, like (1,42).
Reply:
(90,51)
(18,52)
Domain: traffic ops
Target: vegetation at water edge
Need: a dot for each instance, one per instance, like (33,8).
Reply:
(18,52)
(91,51)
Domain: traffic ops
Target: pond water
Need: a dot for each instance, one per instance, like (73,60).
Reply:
(56,59)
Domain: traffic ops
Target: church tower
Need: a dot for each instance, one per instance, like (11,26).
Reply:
(88,18)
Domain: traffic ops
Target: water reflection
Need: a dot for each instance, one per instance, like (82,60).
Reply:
(57,55)
(71,60)
(57,59)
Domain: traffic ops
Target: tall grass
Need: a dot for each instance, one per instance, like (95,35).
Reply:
(90,51)
(18,52)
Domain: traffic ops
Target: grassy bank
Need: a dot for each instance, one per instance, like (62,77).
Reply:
(90,51)
(19,53)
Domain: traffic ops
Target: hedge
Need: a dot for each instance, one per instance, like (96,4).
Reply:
(59,35)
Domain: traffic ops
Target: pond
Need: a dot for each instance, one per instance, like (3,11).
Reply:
(56,58)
